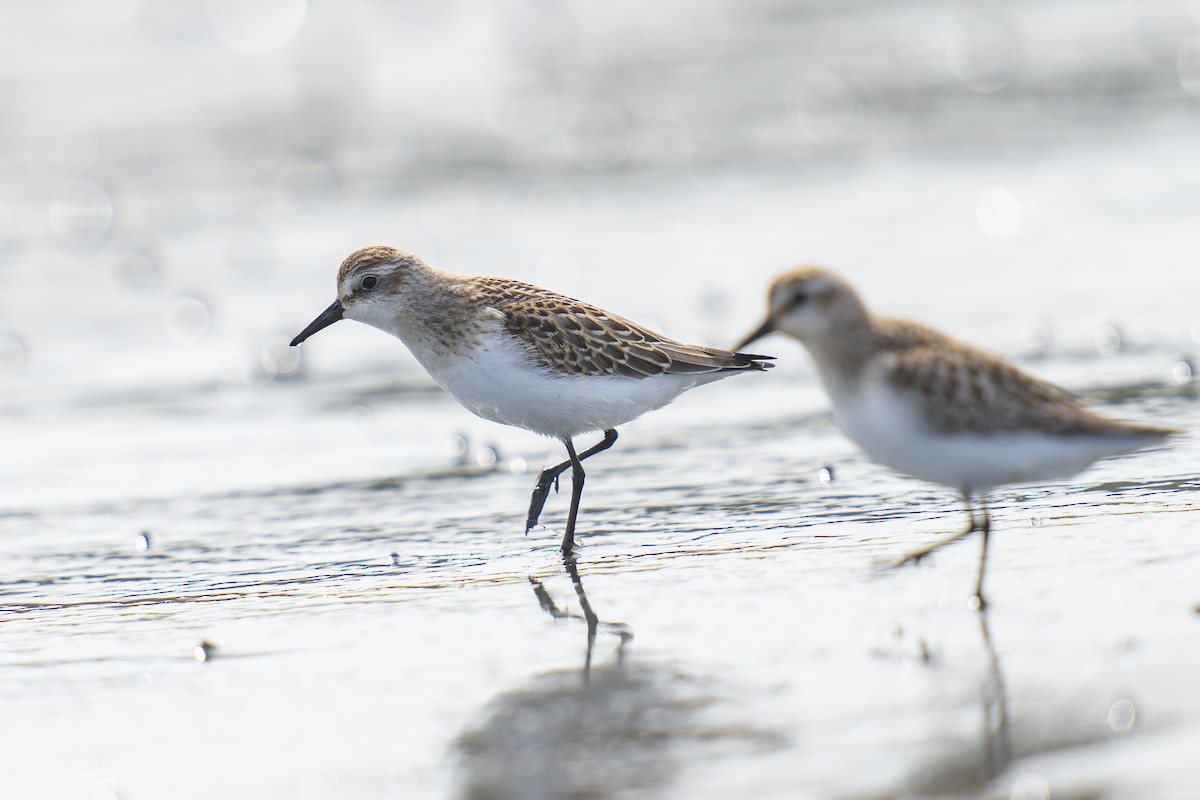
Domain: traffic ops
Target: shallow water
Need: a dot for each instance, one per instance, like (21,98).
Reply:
(349,541)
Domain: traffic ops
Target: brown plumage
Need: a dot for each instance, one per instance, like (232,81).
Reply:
(968,390)
(569,337)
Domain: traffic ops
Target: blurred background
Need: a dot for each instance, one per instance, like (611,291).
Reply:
(180,180)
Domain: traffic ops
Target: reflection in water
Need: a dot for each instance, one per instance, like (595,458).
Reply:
(559,736)
(589,616)
(995,764)
(967,768)
(996,749)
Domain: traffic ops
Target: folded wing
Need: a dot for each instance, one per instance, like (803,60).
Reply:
(571,338)
(974,391)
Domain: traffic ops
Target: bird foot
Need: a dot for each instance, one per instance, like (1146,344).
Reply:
(541,493)
(911,558)
(568,549)
(916,556)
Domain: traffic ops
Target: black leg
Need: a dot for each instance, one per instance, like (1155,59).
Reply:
(577,477)
(549,477)
(985,527)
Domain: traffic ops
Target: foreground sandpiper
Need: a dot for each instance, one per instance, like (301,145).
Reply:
(523,356)
(925,404)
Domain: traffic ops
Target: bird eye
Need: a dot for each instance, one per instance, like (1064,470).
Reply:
(799,299)
(370,282)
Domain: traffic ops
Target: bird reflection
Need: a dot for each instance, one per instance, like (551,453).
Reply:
(996,749)
(968,767)
(556,736)
(588,615)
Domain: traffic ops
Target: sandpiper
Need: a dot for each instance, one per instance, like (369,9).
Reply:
(928,405)
(523,356)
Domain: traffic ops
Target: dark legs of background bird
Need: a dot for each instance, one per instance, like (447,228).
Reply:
(549,477)
(917,555)
(983,525)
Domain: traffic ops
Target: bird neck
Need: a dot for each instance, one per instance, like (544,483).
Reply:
(437,314)
(843,353)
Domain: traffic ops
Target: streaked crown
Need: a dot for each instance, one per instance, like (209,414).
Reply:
(374,270)
(807,301)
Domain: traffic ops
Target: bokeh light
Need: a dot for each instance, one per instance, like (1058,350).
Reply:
(1036,334)
(1108,340)
(105,790)
(81,213)
(822,106)
(982,55)
(186,320)
(362,418)
(1030,786)
(457,446)
(998,212)
(1182,372)
(1122,715)
(487,457)
(278,358)
(1188,64)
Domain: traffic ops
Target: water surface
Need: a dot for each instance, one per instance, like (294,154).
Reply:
(179,189)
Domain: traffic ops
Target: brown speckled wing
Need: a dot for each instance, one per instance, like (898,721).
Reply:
(969,391)
(568,337)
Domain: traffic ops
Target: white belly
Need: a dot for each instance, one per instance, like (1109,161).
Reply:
(887,426)
(498,384)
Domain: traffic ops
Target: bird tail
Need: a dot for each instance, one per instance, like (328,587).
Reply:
(687,359)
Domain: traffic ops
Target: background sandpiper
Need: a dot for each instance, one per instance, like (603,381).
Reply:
(925,404)
(523,356)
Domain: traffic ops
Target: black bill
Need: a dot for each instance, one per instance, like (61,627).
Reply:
(327,318)
(767,327)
